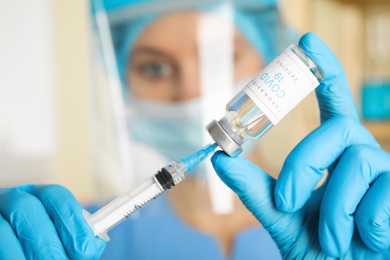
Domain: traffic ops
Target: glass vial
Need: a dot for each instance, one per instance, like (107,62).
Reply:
(266,99)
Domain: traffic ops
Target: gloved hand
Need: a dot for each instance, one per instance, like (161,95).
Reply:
(44,222)
(316,224)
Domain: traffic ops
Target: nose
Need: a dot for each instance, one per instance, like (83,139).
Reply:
(188,83)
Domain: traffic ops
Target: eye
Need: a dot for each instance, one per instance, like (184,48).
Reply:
(155,70)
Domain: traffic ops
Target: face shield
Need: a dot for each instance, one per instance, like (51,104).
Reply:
(169,68)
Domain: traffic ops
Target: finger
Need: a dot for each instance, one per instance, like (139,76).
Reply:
(304,166)
(357,169)
(373,213)
(10,247)
(32,225)
(66,213)
(333,94)
(255,188)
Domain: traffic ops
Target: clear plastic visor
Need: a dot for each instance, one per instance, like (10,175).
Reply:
(164,71)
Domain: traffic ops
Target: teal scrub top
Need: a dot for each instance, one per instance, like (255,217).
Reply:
(156,232)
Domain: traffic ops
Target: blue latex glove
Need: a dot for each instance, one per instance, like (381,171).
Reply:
(316,224)
(44,222)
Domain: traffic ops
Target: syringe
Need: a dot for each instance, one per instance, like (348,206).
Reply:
(120,208)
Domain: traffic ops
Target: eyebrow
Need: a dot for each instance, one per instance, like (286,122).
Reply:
(237,40)
(150,51)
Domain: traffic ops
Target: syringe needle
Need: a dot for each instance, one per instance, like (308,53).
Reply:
(244,128)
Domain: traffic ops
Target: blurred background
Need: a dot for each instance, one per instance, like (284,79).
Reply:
(46,73)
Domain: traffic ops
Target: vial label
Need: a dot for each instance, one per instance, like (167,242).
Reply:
(281,85)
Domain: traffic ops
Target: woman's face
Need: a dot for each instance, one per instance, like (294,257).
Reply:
(164,61)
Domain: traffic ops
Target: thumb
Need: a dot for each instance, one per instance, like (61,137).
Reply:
(333,94)
(255,189)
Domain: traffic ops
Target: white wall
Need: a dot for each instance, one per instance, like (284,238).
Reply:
(26,90)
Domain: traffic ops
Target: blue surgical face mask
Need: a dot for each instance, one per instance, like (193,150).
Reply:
(174,129)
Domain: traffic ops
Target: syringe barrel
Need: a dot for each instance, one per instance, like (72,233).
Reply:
(120,208)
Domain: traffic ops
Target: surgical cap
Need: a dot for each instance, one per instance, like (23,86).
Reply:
(257,20)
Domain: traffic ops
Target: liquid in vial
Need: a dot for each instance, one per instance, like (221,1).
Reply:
(266,99)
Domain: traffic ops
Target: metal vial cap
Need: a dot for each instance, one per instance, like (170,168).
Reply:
(225,137)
